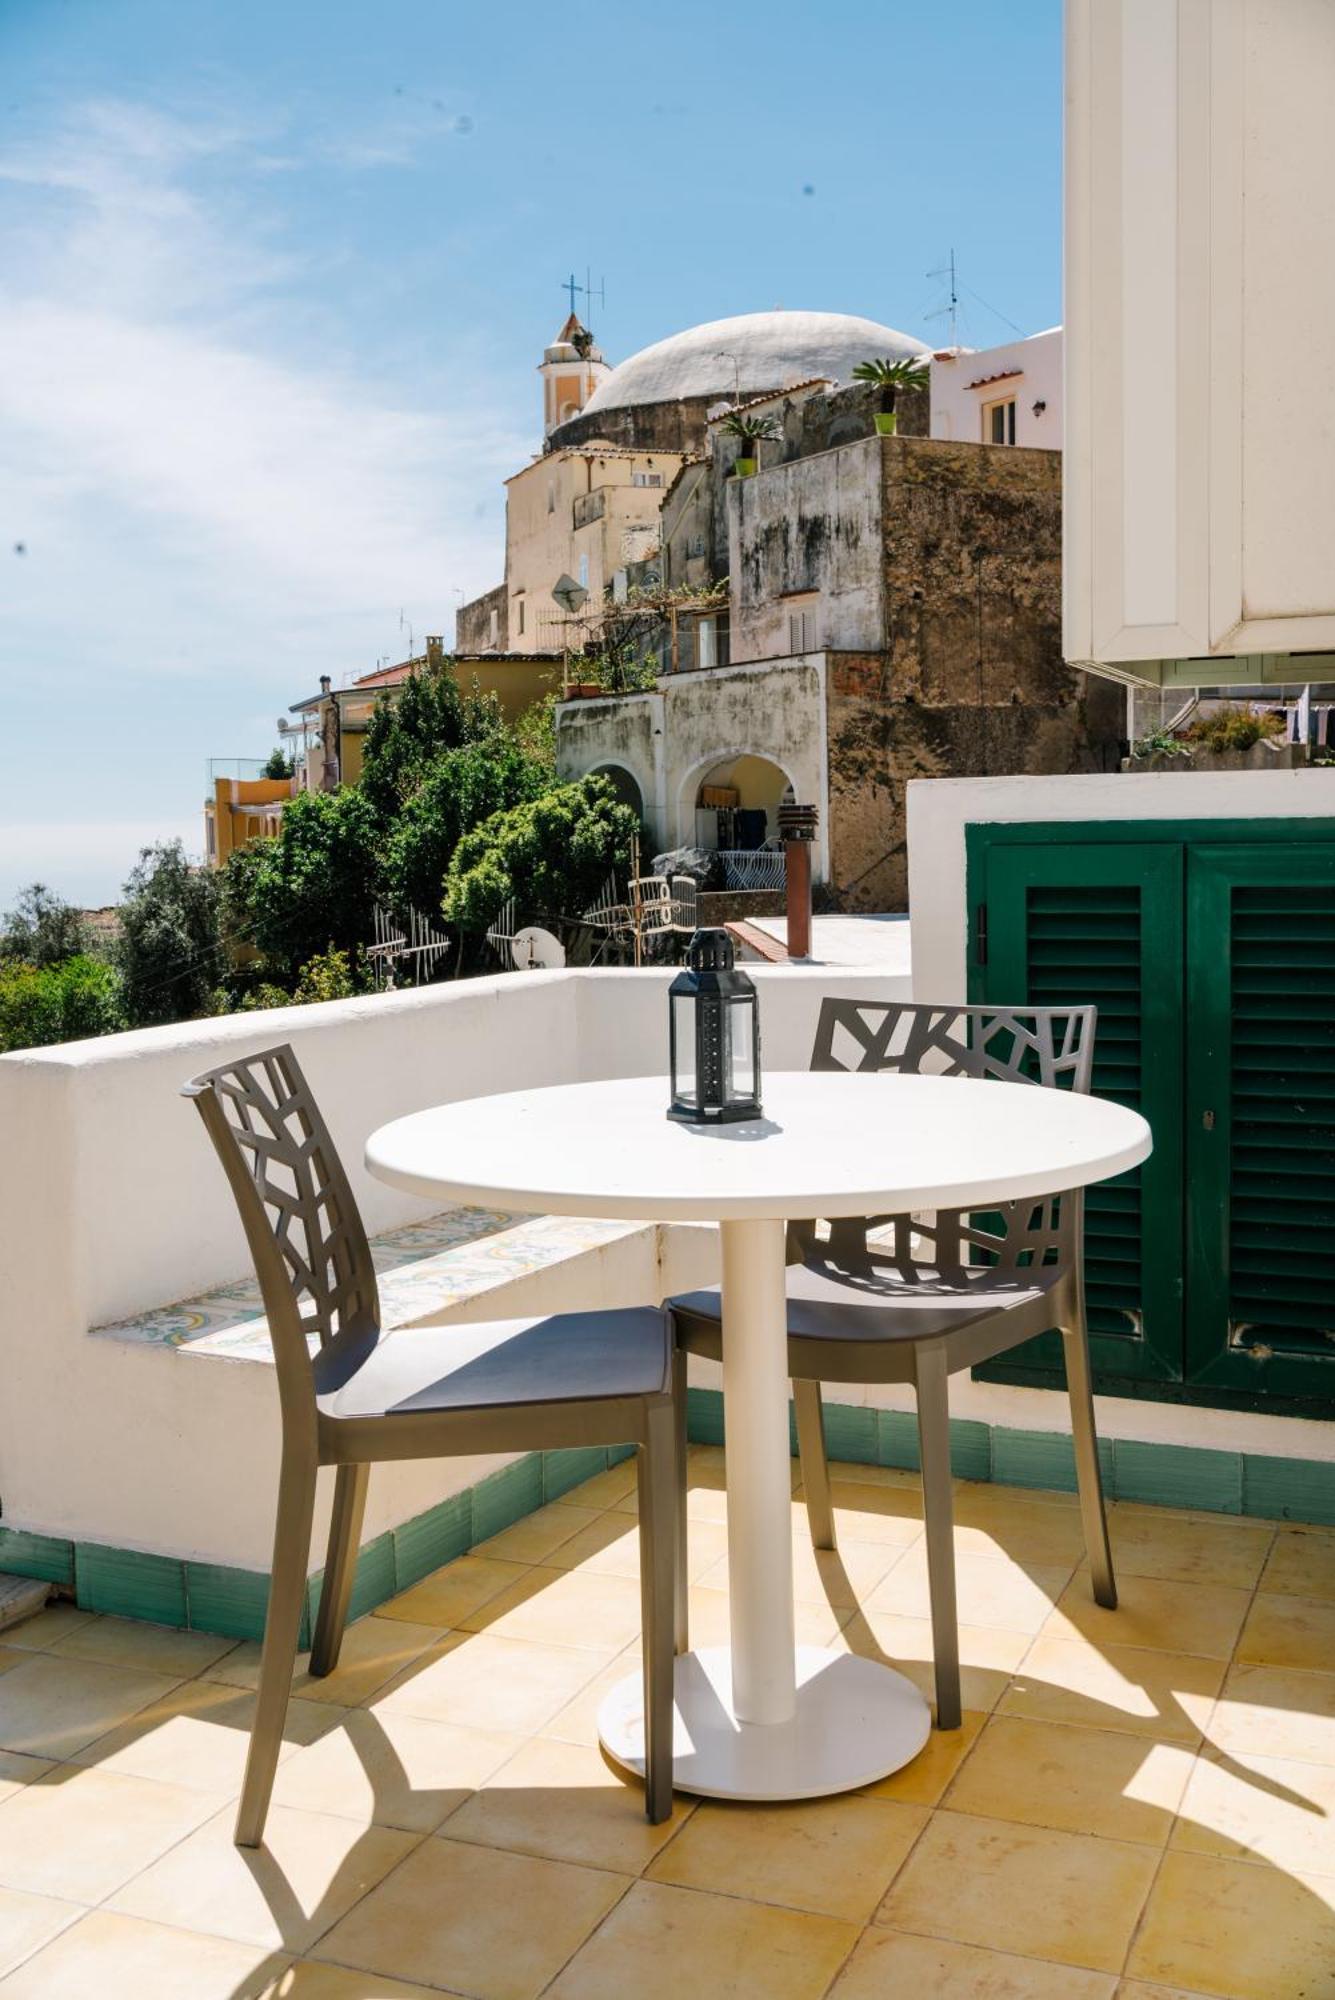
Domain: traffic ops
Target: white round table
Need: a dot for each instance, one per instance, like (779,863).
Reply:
(764,1719)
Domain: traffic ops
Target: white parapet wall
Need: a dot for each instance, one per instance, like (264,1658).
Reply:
(112,1203)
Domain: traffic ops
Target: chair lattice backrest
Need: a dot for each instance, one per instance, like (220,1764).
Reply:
(1052,1047)
(305,1234)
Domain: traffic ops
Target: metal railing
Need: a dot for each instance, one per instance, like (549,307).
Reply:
(753,868)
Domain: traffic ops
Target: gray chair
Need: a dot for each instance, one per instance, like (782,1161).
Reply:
(353,1395)
(916,1299)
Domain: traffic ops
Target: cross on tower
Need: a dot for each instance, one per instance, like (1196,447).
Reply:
(572,285)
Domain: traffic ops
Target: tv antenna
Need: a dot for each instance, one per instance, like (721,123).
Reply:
(405,625)
(953,308)
(572,285)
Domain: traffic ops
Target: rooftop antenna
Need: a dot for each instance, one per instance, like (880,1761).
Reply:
(572,285)
(405,624)
(948,271)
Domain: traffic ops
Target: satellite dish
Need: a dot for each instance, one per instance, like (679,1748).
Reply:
(536,950)
(569,594)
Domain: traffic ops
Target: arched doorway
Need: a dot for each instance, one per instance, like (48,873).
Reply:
(625,784)
(736,802)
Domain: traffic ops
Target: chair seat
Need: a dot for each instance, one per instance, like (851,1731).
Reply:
(874,1302)
(571,1357)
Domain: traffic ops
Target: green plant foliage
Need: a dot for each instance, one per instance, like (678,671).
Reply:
(42,928)
(553,855)
(331,975)
(1232,728)
(535,731)
(68,1002)
(410,728)
(1161,743)
(314,887)
(168,953)
(459,791)
(751,429)
(279,765)
(890,374)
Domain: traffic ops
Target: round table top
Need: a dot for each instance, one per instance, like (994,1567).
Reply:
(829,1144)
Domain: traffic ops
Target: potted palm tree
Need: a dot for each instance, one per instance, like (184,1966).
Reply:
(890,376)
(749,432)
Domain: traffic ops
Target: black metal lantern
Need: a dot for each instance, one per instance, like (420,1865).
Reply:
(715,1036)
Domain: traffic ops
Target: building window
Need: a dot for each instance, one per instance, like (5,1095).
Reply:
(493,626)
(551,496)
(646,479)
(584,571)
(802,629)
(999,422)
(519,615)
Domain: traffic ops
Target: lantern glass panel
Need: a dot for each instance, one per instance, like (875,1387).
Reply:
(684,1086)
(743,1083)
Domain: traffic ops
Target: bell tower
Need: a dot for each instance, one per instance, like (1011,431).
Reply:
(572,367)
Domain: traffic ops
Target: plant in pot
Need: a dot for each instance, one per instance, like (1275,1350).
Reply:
(889,376)
(749,432)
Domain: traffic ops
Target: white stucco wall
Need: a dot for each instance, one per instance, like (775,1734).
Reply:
(957,410)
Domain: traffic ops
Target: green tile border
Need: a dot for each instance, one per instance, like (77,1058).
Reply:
(215,1597)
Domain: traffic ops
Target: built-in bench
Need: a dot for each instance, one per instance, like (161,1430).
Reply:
(424,1269)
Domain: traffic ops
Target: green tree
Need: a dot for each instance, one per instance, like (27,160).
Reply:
(409,730)
(553,855)
(331,975)
(279,765)
(168,953)
(69,1002)
(42,928)
(459,791)
(315,886)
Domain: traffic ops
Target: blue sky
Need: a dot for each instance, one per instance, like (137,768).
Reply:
(277,277)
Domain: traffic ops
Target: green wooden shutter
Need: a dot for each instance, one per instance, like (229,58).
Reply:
(1065,924)
(1261,1119)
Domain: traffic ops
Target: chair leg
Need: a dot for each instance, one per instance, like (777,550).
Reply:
(938,1508)
(681,1622)
(282,1628)
(345,1536)
(815,1464)
(656,1465)
(1088,1474)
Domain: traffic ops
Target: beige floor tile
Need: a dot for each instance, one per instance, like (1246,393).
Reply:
(307,1980)
(1139,1989)
(988,1655)
(118,1958)
(481,1682)
(532,1539)
(577,1722)
(707,1610)
(1276,1712)
(129,1642)
(889,1964)
(616,1488)
(1233,1928)
(79,1834)
(989,1590)
(198,1735)
(53,1707)
(446,1597)
(834,1857)
(16,1771)
(391,1769)
(1073,1779)
(864,1512)
(375,1651)
(1064,1896)
(610,1546)
(1270,1808)
(922,1782)
(564,1802)
(11,1657)
(310,1871)
(1200,1618)
(998,1521)
(890,1478)
(844,1577)
(475,1920)
(1302,1563)
(563,1608)
(1167,1696)
(48,1628)
(27,1923)
(661,1943)
(1281,1631)
(1224,1551)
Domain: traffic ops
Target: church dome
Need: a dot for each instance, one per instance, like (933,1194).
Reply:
(753,353)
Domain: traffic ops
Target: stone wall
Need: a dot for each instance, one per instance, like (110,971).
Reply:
(472,624)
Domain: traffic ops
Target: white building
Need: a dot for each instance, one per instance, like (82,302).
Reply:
(1000,395)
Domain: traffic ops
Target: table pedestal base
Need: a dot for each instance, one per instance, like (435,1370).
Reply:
(856,1721)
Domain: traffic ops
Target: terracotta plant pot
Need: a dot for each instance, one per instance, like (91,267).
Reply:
(887,423)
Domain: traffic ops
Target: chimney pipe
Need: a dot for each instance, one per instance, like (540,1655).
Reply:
(325,683)
(797,824)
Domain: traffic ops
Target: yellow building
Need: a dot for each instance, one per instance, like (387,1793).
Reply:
(242,809)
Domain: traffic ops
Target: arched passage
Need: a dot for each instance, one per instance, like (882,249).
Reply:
(732,802)
(624,783)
